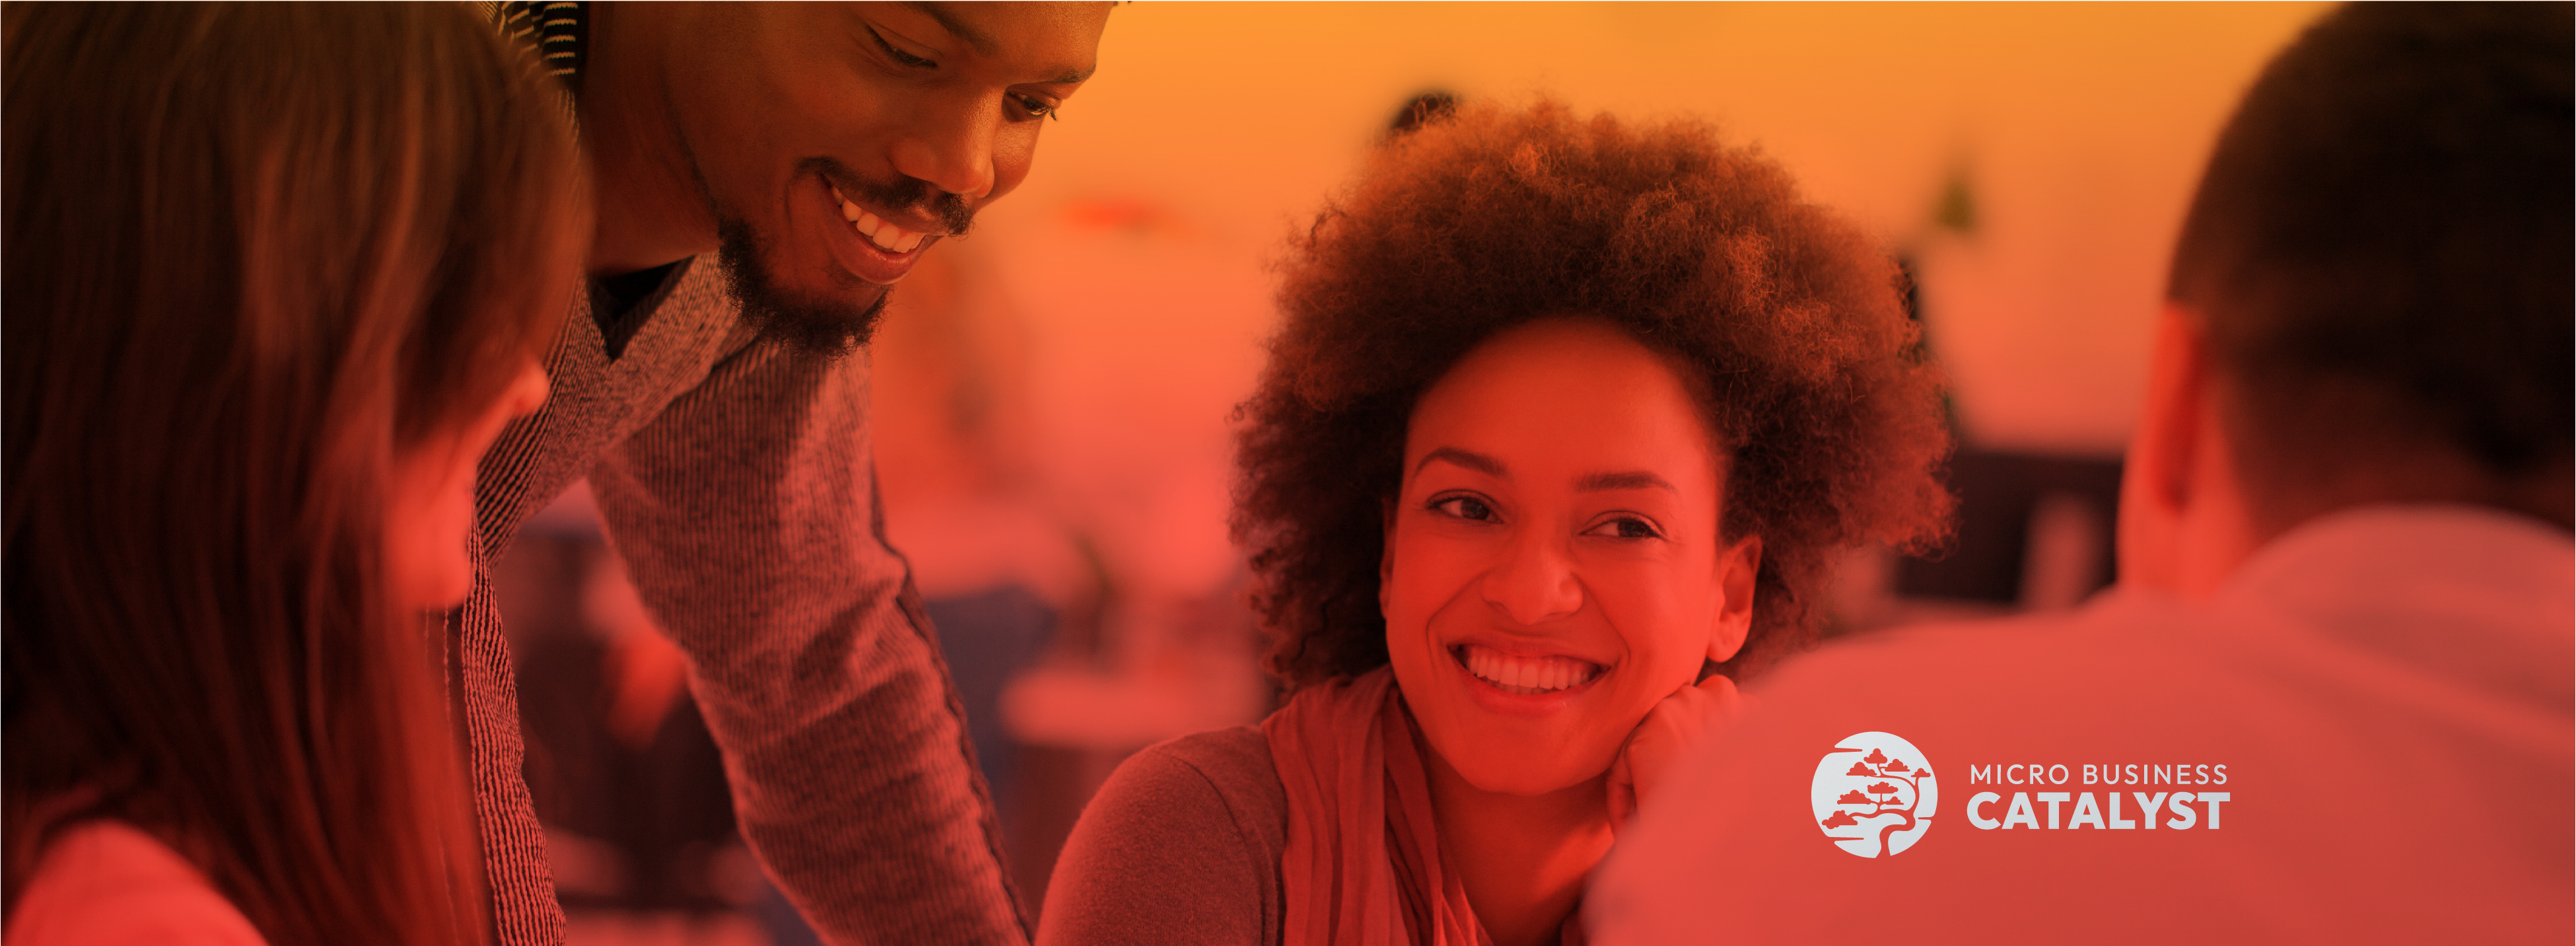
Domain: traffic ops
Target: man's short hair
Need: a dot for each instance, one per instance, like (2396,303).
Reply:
(2381,251)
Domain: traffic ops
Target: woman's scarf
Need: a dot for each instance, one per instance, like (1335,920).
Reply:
(1362,866)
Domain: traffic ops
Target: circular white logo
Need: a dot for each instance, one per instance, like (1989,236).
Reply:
(1874,794)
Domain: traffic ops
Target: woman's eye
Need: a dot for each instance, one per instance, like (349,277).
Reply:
(1625,527)
(1465,507)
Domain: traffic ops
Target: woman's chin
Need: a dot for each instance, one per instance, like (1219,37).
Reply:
(1510,760)
(1517,774)
(1535,788)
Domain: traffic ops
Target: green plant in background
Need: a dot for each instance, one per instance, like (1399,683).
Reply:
(1954,214)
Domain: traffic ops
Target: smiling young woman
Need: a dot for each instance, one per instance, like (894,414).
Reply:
(1565,422)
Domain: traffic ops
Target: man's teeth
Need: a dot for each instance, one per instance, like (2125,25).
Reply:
(886,236)
(1526,675)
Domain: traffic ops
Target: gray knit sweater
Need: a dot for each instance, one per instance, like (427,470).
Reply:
(733,477)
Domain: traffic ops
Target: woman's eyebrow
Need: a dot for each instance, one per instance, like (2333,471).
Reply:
(1627,479)
(1466,458)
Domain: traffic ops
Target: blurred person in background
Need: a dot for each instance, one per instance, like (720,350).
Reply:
(997,566)
(1000,567)
(2346,572)
(1566,420)
(639,821)
(767,174)
(276,275)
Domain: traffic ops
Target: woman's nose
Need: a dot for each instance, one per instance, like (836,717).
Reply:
(1534,583)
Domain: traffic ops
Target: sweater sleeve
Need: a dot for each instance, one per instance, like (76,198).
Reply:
(1163,855)
(746,512)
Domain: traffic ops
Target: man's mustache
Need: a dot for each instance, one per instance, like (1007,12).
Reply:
(902,194)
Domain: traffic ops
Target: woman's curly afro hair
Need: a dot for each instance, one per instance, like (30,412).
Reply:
(1784,320)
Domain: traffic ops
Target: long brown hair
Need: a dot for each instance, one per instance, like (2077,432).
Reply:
(252,251)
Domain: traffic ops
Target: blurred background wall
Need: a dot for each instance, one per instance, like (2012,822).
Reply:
(1052,391)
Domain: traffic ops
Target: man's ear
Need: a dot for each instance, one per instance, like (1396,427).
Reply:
(2156,482)
(1737,568)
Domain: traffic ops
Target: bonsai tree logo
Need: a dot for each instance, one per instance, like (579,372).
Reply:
(1874,794)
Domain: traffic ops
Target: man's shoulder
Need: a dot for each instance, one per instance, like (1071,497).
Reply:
(1963,662)
(2314,770)
(2127,679)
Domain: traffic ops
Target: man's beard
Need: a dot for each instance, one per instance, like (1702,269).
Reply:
(827,327)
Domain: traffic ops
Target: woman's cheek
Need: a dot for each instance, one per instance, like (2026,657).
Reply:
(1662,648)
(1404,604)
(1653,610)
(1430,571)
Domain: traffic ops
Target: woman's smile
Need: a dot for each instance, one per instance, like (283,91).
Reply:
(1521,681)
(1530,675)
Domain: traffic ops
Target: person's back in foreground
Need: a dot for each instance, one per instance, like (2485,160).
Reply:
(2331,699)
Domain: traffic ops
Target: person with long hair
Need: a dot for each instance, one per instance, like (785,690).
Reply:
(276,275)
(1566,418)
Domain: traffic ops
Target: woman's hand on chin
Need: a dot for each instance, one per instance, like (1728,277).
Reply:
(1671,728)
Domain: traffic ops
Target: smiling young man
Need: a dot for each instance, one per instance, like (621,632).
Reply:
(765,176)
